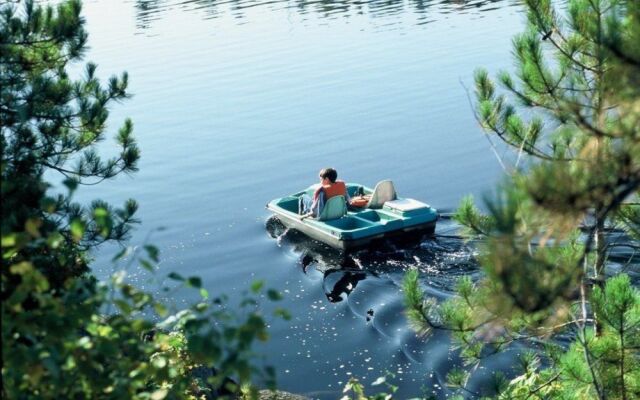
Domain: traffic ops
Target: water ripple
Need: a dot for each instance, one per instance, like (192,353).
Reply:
(148,11)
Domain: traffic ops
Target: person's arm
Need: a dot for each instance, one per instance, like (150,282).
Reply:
(316,206)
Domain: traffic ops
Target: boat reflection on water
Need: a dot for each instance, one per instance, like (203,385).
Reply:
(341,270)
(441,263)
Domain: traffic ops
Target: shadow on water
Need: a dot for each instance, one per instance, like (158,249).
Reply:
(344,284)
(149,10)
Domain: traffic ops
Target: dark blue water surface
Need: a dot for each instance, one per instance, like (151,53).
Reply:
(239,102)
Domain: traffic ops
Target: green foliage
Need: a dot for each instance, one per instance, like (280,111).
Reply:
(530,267)
(471,218)
(354,389)
(594,365)
(571,112)
(605,363)
(65,335)
(417,304)
(51,122)
(61,344)
(629,214)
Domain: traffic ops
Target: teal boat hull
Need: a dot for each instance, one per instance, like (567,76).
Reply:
(360,227)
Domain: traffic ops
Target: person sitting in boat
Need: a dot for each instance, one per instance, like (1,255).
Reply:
(329,187)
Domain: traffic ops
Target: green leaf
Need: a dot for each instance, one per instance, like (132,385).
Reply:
(159,394)
(21,268)
(175,276)
(153,252)
(32,227)
(282,313)
(274,295)
(77,229)
(123,306)
(48,204)
(54,240)
(103,221)
(159,362)
(121,254)
(160,309)
(256,286)
(465,287)
(9,240)
(85,342)
(147,265)
(194,281)
(71,184)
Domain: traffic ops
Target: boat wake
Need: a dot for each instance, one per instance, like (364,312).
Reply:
(442,257)
(365,286)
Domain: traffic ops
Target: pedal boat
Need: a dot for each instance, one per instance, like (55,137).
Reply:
(345,228)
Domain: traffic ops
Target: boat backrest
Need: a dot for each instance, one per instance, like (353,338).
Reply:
(384,191)
(335,207)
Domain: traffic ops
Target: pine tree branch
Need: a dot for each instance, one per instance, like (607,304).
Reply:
(534,391)
(539,23)
(475,115)
(623,385)
(31,42)
(102,175)
(570,56)
(631,187)
(531,151)
(555,328)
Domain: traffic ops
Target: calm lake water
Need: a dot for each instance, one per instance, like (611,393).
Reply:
(239,102)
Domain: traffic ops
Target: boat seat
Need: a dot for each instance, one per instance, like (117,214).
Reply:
(334,208)
(383,192)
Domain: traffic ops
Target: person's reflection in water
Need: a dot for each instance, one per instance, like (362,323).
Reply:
(345,285)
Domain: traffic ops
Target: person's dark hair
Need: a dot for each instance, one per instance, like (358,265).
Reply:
(329,173)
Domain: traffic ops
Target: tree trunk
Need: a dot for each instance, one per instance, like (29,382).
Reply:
(601,248)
